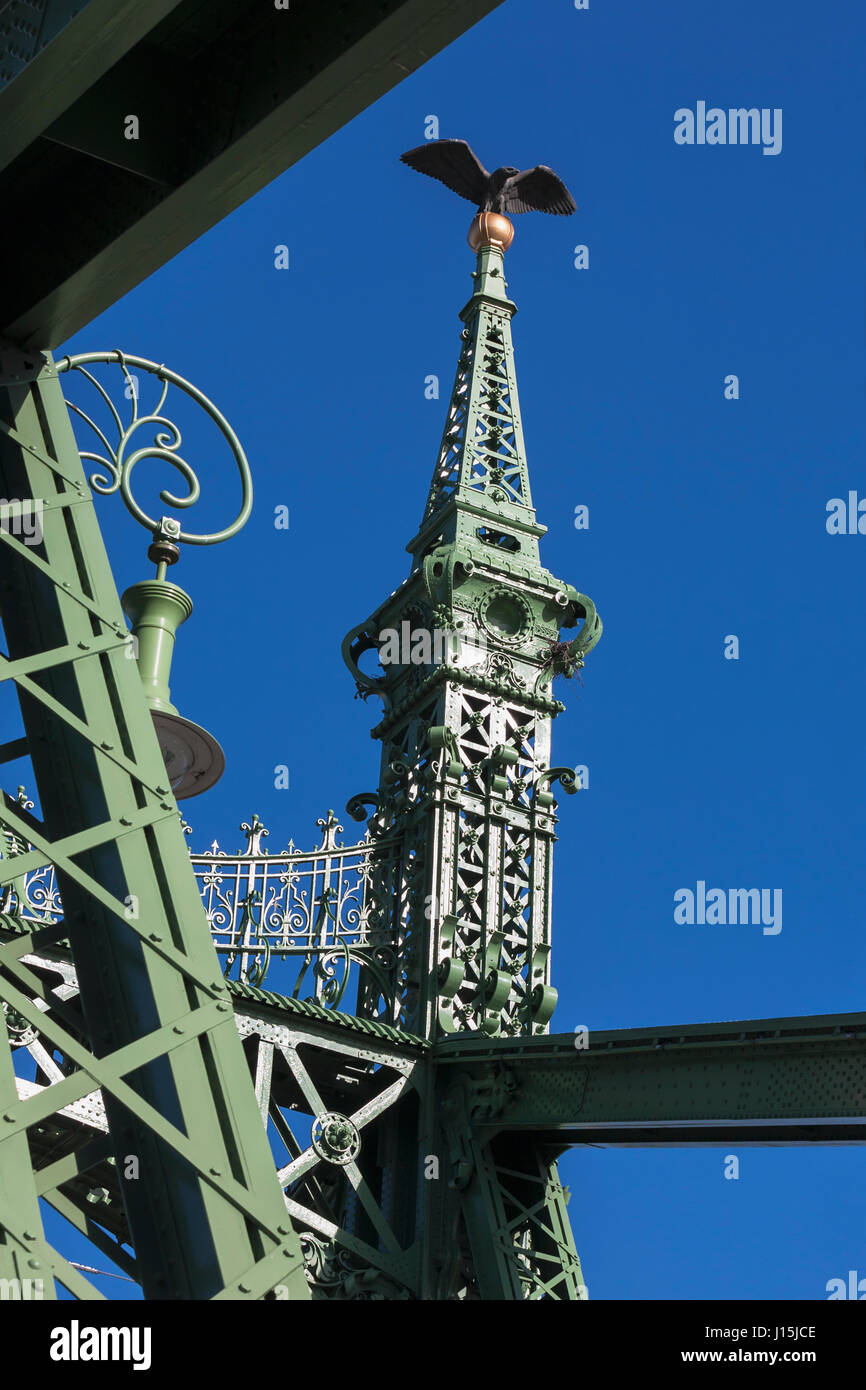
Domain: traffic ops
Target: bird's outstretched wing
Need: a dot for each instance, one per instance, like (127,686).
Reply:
(454,164)
(538,190)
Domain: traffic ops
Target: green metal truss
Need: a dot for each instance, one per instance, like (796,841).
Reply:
(414,1142)
(155,1031)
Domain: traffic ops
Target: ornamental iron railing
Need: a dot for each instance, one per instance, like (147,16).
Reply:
(311,924)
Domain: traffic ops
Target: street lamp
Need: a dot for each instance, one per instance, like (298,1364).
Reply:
(156,607)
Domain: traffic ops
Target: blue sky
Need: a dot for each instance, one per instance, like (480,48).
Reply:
(707,518)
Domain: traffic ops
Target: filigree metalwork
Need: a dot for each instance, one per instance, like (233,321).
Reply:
(310,923)
(34,896)
(328,906)
(333,1273)
(120,459)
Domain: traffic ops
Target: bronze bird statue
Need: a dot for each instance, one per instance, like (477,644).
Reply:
(506,190)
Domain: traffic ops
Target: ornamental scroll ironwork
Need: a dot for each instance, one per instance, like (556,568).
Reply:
(34,896)
(327,906)
(120,458)
(310,924)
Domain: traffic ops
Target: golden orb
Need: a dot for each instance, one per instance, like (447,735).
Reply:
(490,229)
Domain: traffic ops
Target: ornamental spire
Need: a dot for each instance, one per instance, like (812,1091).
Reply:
(480,488)
(464,814)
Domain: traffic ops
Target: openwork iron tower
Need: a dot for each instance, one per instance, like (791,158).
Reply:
(325,1073)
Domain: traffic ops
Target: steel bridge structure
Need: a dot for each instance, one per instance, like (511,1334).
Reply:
(323,1074)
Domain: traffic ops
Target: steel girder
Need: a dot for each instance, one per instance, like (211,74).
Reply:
(509,1109)
(155,1031)
(228,94)
(453,1192)
(358,1235)
(760,1081)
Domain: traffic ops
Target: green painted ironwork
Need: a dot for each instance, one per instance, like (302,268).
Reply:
(119,459)
(465,772)
(159,1039)
(415,1142)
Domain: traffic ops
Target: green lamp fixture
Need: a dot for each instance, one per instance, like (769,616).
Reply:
(156,607)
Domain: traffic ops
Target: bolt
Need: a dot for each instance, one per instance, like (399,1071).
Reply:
(178,1029)
(223,1008)
(215,1172)
(34,1264)
(244,1288)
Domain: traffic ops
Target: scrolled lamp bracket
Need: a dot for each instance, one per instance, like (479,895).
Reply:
(120,459)
(156,608)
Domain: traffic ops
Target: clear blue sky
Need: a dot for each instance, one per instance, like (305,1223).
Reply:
(707,518)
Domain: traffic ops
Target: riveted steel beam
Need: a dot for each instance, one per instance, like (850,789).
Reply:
(763,1081)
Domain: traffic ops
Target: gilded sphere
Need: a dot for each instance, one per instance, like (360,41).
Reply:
(490,229)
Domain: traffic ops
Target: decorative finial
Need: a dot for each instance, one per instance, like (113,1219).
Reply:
(490,229)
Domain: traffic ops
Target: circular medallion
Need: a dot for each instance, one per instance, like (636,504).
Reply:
(335,1138)
(506,615)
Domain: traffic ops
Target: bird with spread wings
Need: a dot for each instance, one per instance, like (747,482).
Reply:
(506,190)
